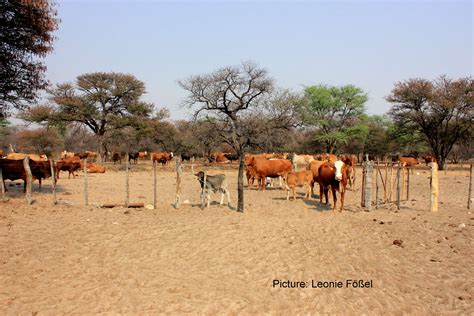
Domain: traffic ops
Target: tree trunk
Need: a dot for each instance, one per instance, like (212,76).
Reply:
(441,163)
(240,182)
(99,147)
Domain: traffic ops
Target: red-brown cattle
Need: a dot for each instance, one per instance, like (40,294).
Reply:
(334,175)
(269,168)
(313,166)
(299,179)
(69,164)
(408,161)
(251,176)
(429,158)
(14,170)
(91,168)
(161,157)
(20,156)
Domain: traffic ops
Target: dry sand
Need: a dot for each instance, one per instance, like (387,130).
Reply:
(85,260)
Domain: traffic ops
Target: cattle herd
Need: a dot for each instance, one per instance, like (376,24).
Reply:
(290,170)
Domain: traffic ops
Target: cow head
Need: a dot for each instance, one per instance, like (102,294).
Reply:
(338,165)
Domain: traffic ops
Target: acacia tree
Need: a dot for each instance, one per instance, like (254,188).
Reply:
(101,101)
(230,94)
(442,110)
(334,112)
(25,36)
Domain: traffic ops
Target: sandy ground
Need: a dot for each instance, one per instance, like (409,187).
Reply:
(86,260)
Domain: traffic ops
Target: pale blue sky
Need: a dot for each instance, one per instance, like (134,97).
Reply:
(371,44)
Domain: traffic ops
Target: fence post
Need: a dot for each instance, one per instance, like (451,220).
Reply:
(386,184)
(29,179)
(377,186)
(203,192)
(408,184)
(53,176)
(398,185)
(368,185)
(434,187)
(179,171)
(86,189)
(362,197)
(127,186)
(154,184)
(192,164)
(469,194)
(1,183)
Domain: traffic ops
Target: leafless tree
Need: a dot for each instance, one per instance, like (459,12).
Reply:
(230,94)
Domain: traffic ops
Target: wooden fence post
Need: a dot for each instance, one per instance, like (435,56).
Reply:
(53,176)
(86,189)
(29,179)
(377,186)
(362,197)
(127,185)
(179,171)
(469,193)
(204,190)
(399,168)
(434,187)
(368,185)
(154,184)
(1,183)
(386,184)
(408,184)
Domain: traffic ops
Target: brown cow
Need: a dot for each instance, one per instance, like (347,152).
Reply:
(251,175)
(429,158)
(313,166)
(117,157)
(14,170)
(142,154)
(269,168)
(299,179)
(20,156)
(334,175)
(70,165)
(91,168)
(408,162)
(161,157)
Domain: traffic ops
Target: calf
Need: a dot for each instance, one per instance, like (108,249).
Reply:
(216,183)
(299,179)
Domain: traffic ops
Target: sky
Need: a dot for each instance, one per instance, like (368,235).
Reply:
(370,44)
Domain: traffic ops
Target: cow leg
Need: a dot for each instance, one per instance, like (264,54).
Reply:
(326,192)
(222,198)
(39,184)
(228,196)
(208,199)
(320,193)
(294,193)
(342,200)
(334,198)
(287,193)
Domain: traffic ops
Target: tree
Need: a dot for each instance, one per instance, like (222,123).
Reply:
(230,94)
(334,112)
(442,110)
(39,141)
(25,36)
(101,101)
